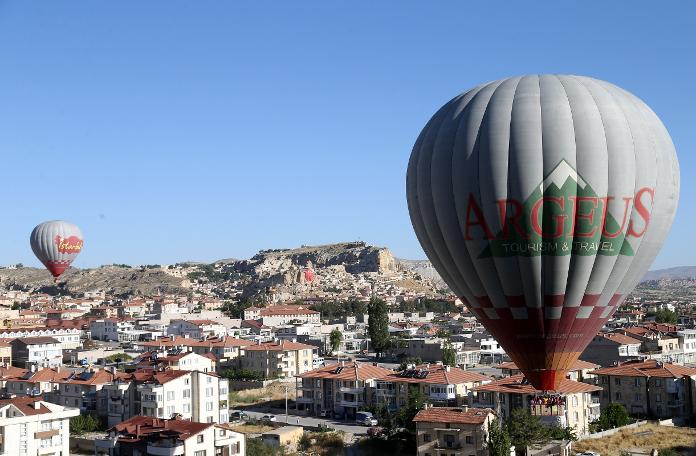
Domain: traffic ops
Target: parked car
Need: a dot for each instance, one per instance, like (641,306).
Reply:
(238,415)
(365,418)
(269,418)
(325,414)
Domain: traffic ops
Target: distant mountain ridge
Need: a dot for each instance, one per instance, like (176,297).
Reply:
(678,272)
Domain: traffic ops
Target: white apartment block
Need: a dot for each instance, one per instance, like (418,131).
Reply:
(69,338)
(29,426)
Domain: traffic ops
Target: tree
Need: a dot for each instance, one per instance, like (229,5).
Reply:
(335,339)
(86,423)
(665,316)
(416,402)
(410,360)
(378,327)
(16,306)
(613,416)
(256,447)
(449,354)
(525,429)
(499,442)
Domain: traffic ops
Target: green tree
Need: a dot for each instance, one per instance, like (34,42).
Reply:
(665,316)
(526,429)
(16,306)
(499,441)
(335,339)
(86,423)
(562,433)
(378,326)
(256,447)
(613,416)
(415,403)
(449,354)
(410,360)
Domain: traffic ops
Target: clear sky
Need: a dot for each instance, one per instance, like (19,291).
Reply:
(200,130)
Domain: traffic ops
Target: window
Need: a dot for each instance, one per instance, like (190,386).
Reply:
(426,438)
(200,452)
(209,379)
(209,392)
(637,397)
(170,395)
(618,396)
(221,432)
(187,408)
(187,393)
(658,382)
(209,406)
(469,440)
(210,419)
(636,381)
(658,398)
(199,439)
(617,380)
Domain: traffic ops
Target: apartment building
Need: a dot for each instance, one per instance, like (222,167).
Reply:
(281,315)
(176,359)
(573,404)
(37,351)
(143,435)
(5,353)
(84,390)
(580,371)
(452,431)
(281,359)
(650,388)
(441,385)
(195,395)
(30,426)
(606,349)
(111,329)
(196,329)
(340,389)
(226,349)
(69,338)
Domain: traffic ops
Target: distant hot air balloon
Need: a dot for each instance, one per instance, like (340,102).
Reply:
(56,243)
(542,201)
(308,274)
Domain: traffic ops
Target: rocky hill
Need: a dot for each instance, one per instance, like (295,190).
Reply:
(115,280)
(677,273)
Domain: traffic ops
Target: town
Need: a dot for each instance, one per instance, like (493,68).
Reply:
(314,350)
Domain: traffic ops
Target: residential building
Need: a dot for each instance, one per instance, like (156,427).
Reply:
(5,353)
(282,359)
(226,349)
(606,349)
(111,329)
(195,395)
(83,390)
(177,360)
(30,426)
(572,404)
(580,371)
(144,435)
(196,329)
(452,431)
(650,388)
(341,389)
(37,351)
(68,337)
(441,385)
(281,315)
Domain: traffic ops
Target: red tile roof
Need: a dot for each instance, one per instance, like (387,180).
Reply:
(515,384)
(577,365)
(648,368)
(453,415)
(26,405)
(621,339)
(279,346)
(438,375)
(350,371)
(138,427)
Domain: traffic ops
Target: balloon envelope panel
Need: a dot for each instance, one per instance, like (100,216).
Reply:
(56,244)
(542,200)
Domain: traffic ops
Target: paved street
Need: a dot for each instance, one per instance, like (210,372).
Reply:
(352,428)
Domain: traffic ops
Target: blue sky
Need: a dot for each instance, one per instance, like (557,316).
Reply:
(172,130)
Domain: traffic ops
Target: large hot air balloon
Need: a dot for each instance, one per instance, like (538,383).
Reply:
(56,243)
(542,201)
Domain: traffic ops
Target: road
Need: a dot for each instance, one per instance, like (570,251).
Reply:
(258,412)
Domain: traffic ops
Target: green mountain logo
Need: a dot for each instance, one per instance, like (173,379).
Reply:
(562,216)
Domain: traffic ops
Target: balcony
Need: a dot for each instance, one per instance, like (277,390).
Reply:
(166,450)
(354,403)
(675,403)
(46,434)
(442,396)
(304,400)
(386,392)
(351,390)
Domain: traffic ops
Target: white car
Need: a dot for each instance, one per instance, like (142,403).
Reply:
(588,453)
(269,418)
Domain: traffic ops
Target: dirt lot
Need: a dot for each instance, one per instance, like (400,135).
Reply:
(273,392)
(643,439)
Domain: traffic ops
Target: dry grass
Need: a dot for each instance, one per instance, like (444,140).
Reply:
(273,392)
(247,428)
(644,437)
